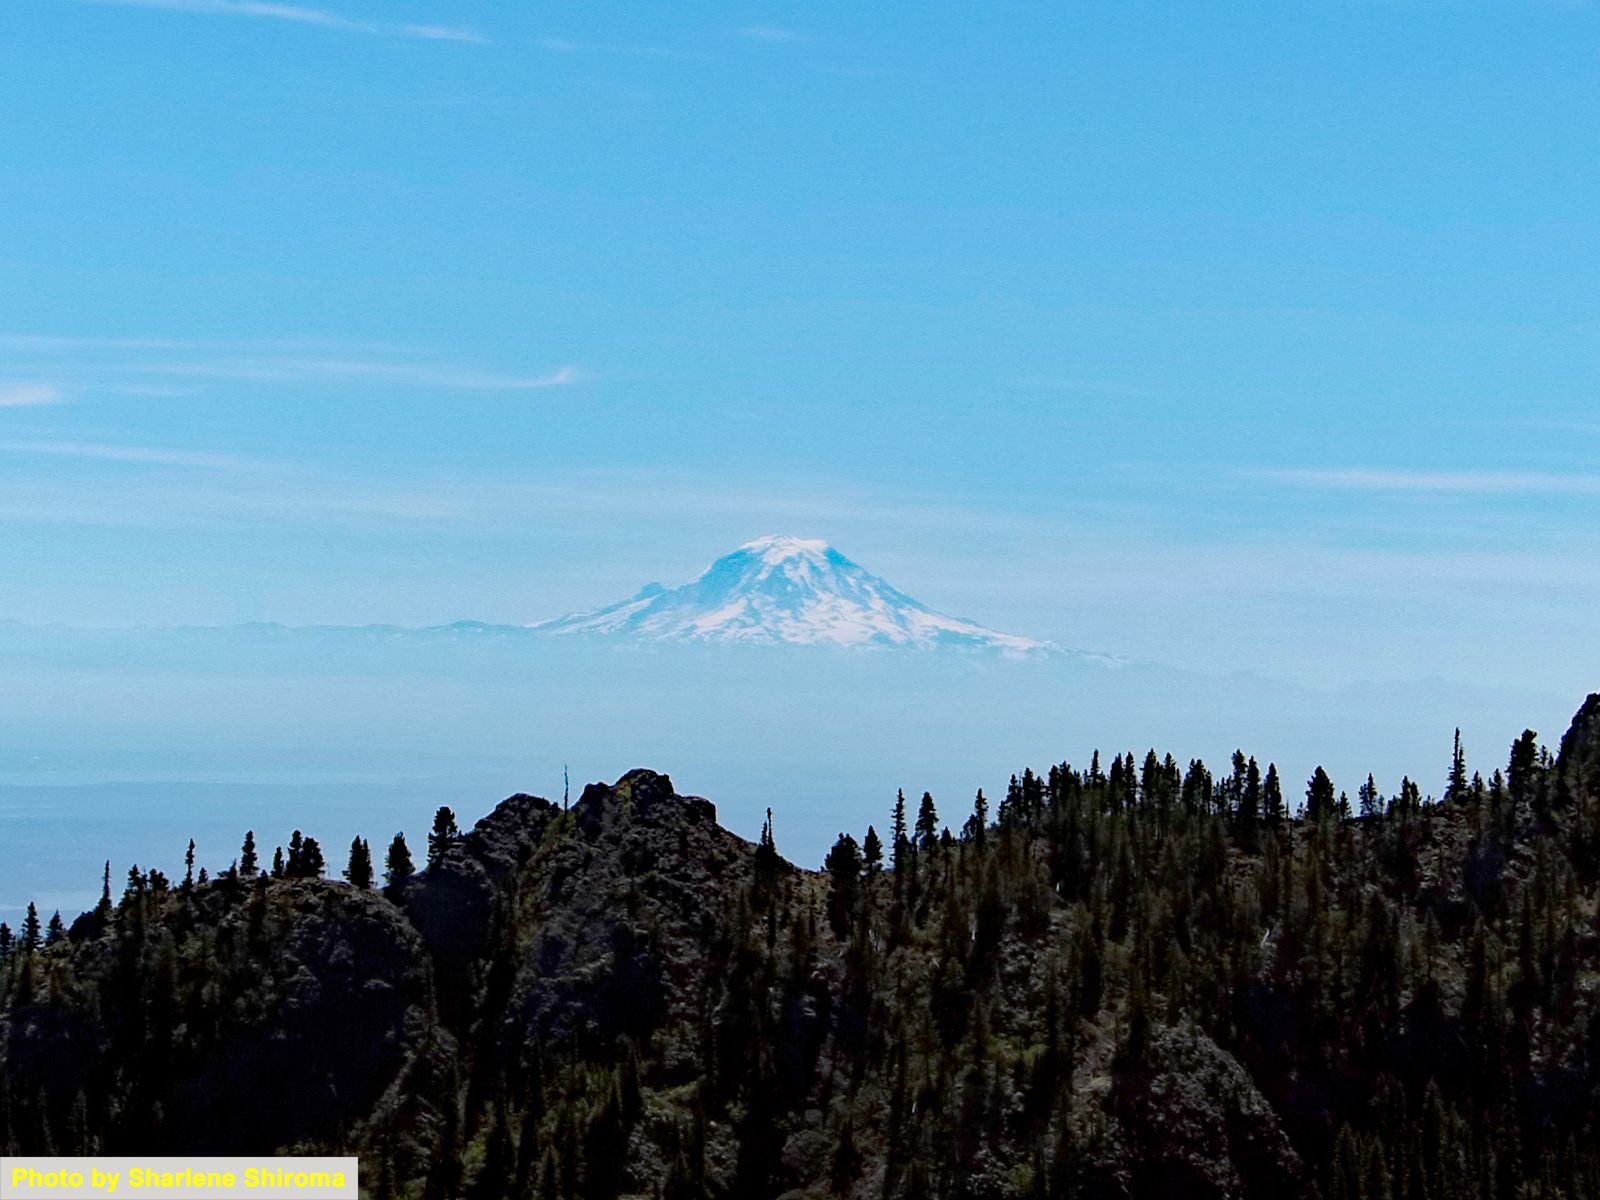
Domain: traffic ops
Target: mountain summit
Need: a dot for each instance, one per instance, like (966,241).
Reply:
(786,590)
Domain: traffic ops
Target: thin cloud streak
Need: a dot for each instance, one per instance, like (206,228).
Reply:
(144,455)
(29,395)
(90,361)
(302,370)
(557,45)
(159,390)
(444,33)
(48,343)
(1486,483)
(299,15)
(237,494)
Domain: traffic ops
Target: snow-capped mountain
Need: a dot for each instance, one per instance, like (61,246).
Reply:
(787,589)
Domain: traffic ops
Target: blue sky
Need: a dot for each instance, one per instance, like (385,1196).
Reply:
(1249,336)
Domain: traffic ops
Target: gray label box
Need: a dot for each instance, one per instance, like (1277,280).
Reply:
(133,1177)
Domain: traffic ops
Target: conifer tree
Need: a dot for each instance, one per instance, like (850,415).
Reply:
(1456,788)
(30,930)
(1409,801)
(1272,805)
(1523,767)
(1319,796)
(843,866)
(943,1052)
(766,860)
(927,823)
(445,834)
(1195,794)
(133,890)
(977,825)
(1009,814)
(248,866)
(397,865)
(872,852)
(359,869)
(1128,798)
(1235,786)
(897,829)
(1249,813)
(103,909)
(1367,795)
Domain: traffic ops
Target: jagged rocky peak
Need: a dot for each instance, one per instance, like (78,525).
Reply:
(784,589)
(503,839)
(1580,745)
(642,792)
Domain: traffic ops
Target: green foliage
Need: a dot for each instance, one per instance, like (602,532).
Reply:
(843,867)
(397,865)
(359,869)
(443,835)
(1319,797)
(767,864)
(31,940)
(1140,982)
(872,852)
(927,822)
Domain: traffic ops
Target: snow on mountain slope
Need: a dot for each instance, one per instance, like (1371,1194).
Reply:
(786,589)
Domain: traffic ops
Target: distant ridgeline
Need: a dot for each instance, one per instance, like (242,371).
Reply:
(1139,981)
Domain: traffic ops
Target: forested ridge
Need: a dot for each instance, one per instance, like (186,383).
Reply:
(1135,978)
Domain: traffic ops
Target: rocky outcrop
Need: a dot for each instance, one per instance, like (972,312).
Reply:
(1580,745)
(621,998)
(623,923)
(246,1016)
(456,904)
(1193,1124)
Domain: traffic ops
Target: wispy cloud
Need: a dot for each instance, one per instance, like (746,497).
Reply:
(559,45)
(300,15)
(445,33)
(145,455)
(174,366)
(165,391)
(50,343)
(28,395)
(766,33)
(291,370)
(1377,479)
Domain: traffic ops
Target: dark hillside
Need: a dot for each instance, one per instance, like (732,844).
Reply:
(1142,980)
